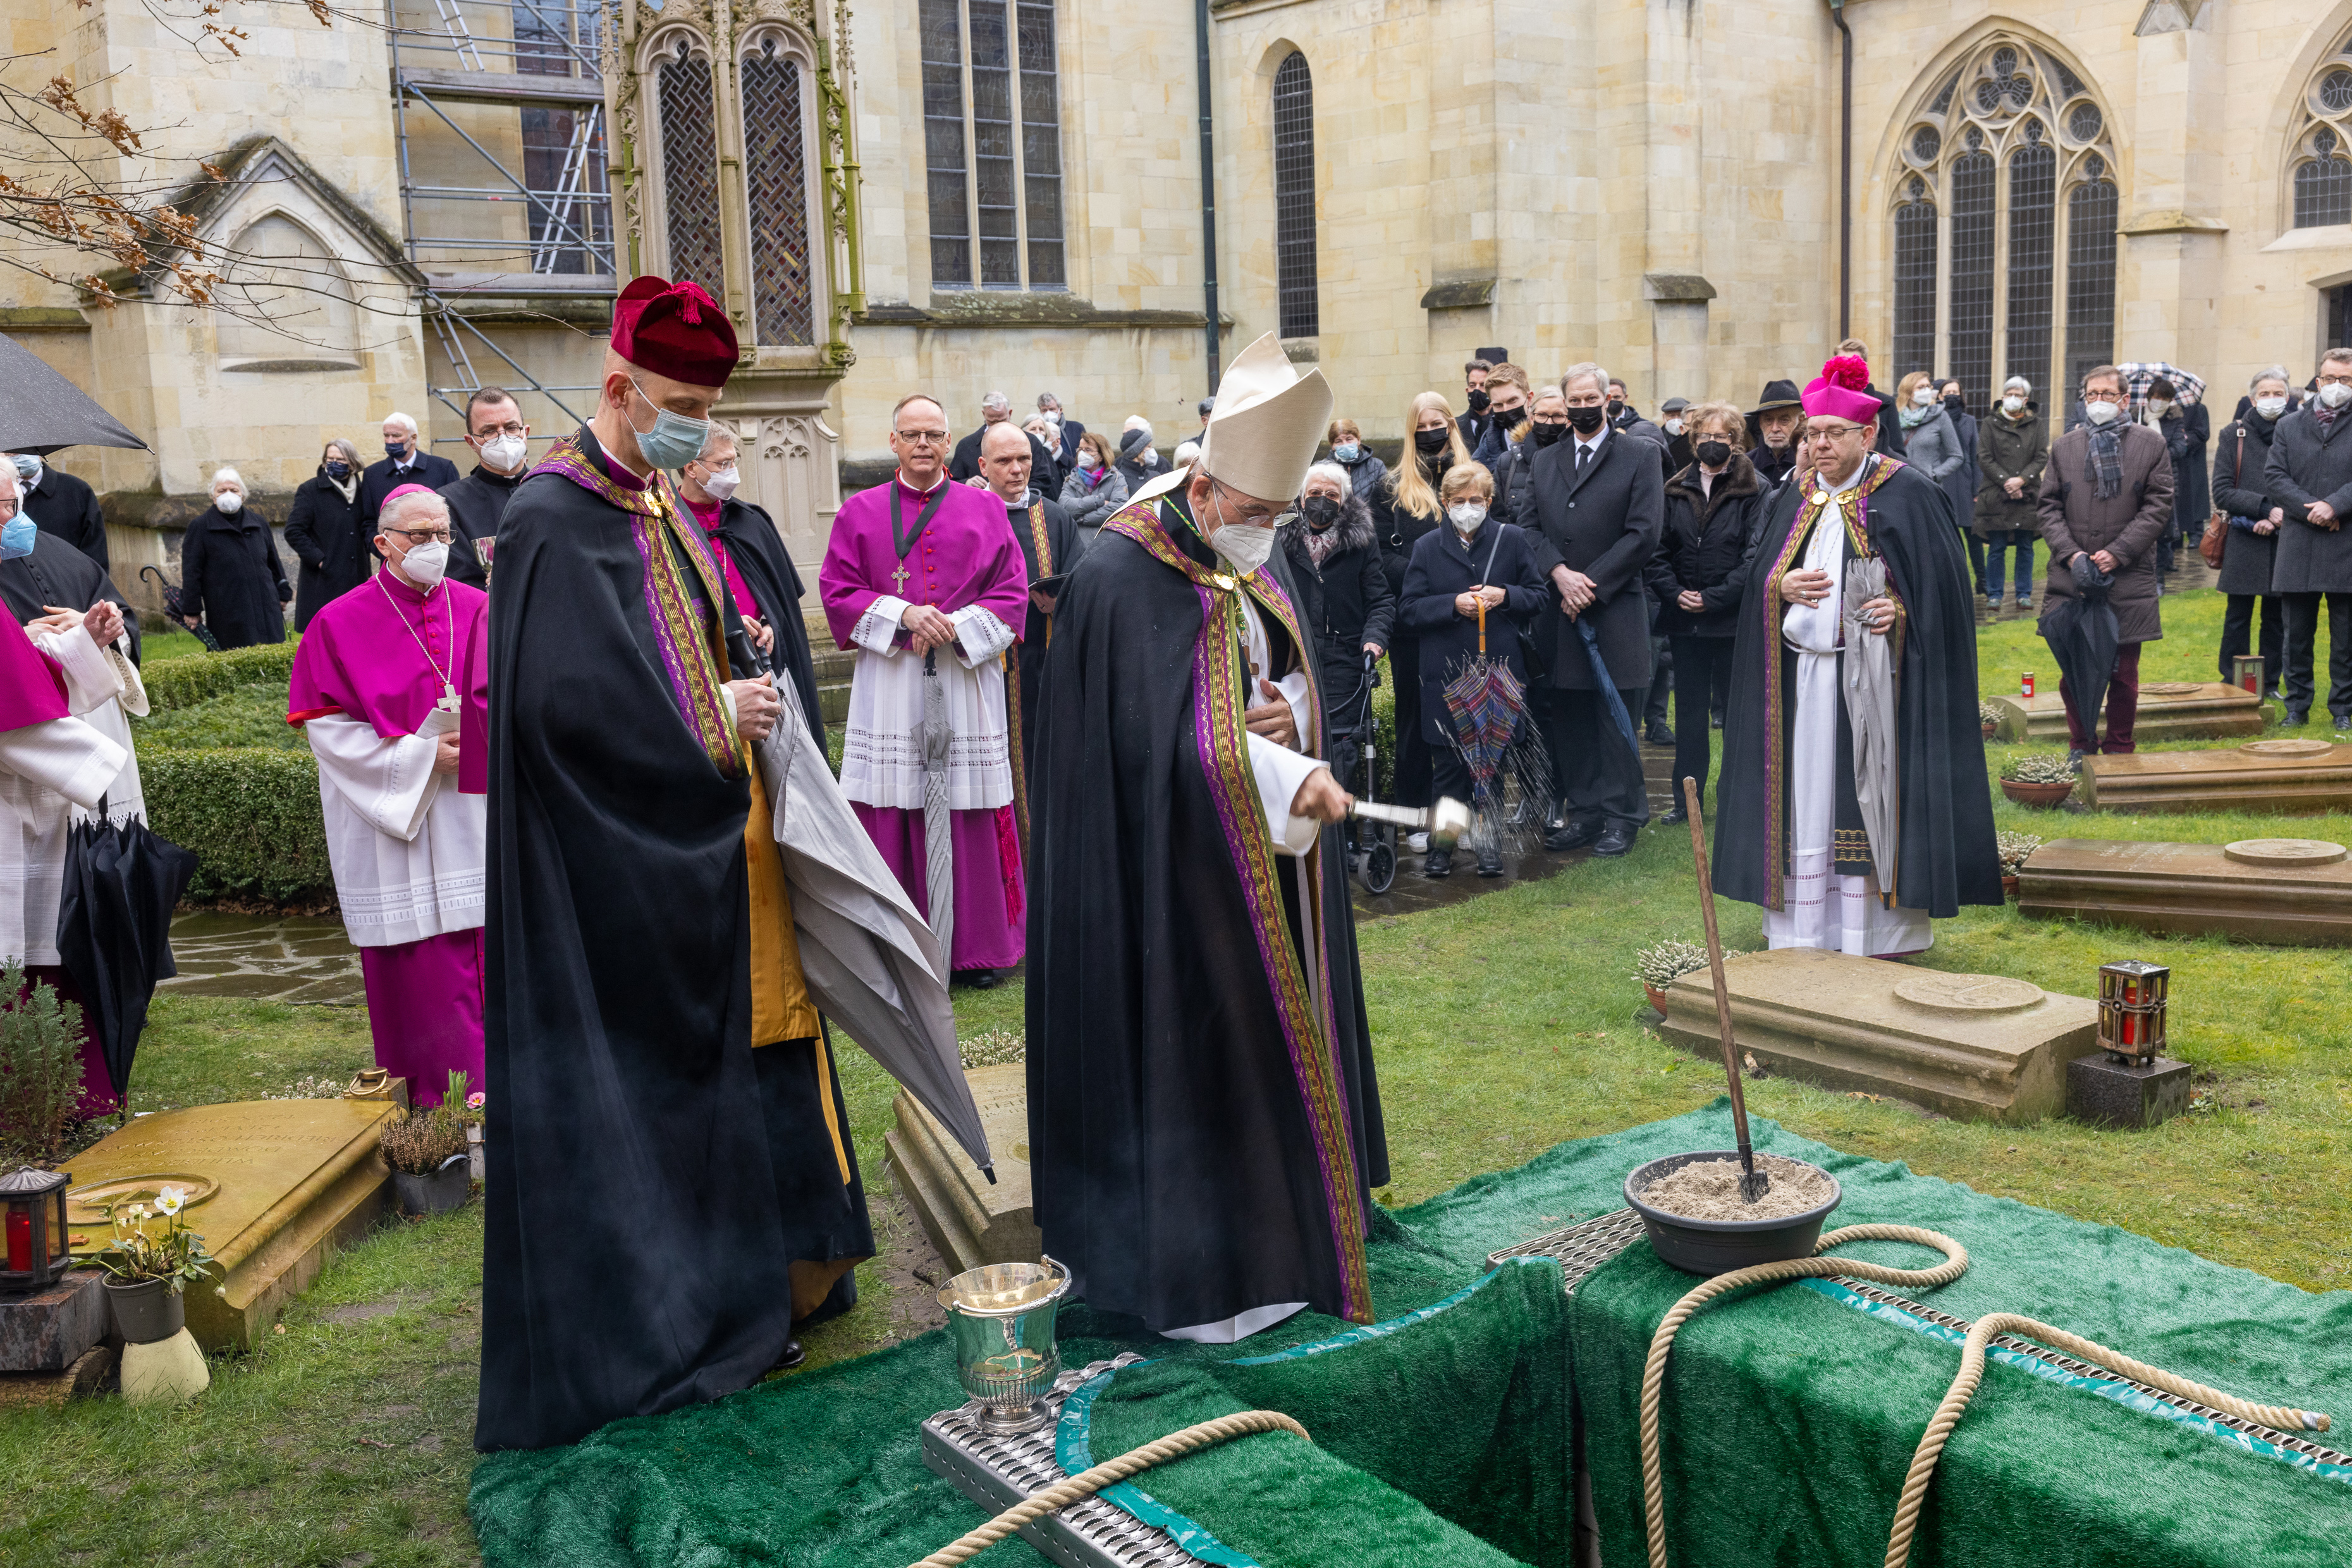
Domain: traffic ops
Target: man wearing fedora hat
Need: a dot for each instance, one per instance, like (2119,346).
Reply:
(1774,420)
(1204,1126)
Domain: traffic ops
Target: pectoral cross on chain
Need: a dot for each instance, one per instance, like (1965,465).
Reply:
(899,578)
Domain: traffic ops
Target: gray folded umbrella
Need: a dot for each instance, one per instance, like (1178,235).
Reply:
(41,411)
(939,821)
(1867,674)
(871,963)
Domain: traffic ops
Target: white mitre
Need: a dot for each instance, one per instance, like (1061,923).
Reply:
(1268,422)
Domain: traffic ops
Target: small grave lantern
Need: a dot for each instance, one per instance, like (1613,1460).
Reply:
(2249,672)
(35,1205)
(2131,1009)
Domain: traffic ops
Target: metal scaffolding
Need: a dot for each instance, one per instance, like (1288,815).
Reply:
(498,109)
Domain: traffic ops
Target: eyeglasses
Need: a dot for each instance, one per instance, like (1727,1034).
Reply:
(511,428)
(2343,378)
(923,437)
(420,535)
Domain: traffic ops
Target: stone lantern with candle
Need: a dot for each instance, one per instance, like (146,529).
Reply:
(2131,1083)
(35,1205)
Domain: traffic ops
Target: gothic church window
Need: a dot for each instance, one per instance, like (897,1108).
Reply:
(2005,175)
(992,144)
(2322,170)
(775,177)
(1294,198)
(690,165)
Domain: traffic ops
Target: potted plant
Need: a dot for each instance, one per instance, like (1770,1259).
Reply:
(149,1260)
(2037,778)
(426,1152)
(1659,966)
(1989,715)
(2016,849)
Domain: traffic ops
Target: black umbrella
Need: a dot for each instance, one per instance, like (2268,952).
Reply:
(2081,632)
(41,411)
(114,926)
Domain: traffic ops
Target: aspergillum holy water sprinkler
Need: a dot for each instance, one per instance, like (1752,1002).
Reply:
(1753,1183)
(1445,823)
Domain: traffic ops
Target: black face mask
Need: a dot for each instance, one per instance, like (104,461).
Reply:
(1714,454)
(1616,408)
(1586,420)
(1544,435)
(1320,511)
(1955,403)
(1430,443)
(1477,400)
(1512,421)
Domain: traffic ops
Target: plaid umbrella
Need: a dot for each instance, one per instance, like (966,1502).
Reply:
(2139,374)
(1486,701)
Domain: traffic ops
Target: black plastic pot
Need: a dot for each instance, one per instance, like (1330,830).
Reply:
(1719,1246)
(145,1312)
(439,1192)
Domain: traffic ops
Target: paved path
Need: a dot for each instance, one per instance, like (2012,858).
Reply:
(271,958)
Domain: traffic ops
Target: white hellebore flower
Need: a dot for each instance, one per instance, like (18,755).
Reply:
(138,1211)
(171,1200)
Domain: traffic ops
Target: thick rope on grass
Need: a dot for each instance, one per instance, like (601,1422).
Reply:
(1955,1399)
(1080,1487)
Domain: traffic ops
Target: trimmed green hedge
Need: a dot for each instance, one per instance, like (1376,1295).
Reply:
(250,813)
(183,682)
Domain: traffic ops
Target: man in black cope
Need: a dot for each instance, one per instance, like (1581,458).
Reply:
(495,431)
(57,577)
(61,505)
(1598,503)
(1049,543)
(1204,1123)
(652,1052)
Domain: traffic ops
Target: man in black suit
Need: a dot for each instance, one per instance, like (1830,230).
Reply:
(61,504)
(1474,424)
(1599,504)
(406,462)
(1066,434)
(995,408)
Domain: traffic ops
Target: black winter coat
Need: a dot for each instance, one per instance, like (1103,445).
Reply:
(2186,428)
(2308,464)
(1708,542)
(2011,450)
(1444,566)
(379,480)
(231,578)
(477,503)
(1397,527)
(2239,489)
(1605,525)
(65,506)
(326,535)
(1346,602)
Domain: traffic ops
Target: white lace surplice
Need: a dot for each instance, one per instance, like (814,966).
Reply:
(882,746)
(408,849)
(49,774)
(1819,908)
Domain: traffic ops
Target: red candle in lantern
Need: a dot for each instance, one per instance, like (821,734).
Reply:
(2131,1019)
(2025,686)
(20,1237)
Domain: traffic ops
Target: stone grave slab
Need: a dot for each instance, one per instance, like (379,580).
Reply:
(2169,710)
(2291,777)
(275,1186)
(2290,892)
(1980,1047)
(971,1222)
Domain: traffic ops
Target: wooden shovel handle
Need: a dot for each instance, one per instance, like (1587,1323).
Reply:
(1714,958)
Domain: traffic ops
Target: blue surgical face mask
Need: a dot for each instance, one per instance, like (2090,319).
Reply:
(675,440)
(1346,452)
(27,468)
(16,537)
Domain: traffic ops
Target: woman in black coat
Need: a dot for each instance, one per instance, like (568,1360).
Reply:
(2252,542)
(1404,510)
(325,532)
(230,576)
(1714,510)
(1473,557)
(1345,597)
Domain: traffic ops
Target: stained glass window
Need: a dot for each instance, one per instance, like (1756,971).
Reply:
(2033,232)
(1294,198)
(1915,281)
(943,160)
(2090,274)
(1970,359)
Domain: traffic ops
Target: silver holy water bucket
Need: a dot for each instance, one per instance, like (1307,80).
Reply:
(1001,1315)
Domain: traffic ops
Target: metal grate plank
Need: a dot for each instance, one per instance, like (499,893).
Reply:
(690,171)
(775,167)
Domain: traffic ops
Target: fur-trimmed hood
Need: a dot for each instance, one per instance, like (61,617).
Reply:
(1354,528)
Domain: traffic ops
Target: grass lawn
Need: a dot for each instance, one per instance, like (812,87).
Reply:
(1502,1025)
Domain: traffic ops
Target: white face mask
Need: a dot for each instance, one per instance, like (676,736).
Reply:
(1054,417)
(1465,516)
(1244,545)
(1674,426)
(230,502)
(2270,407)
(1925,396)
(2158,407)
(504,453)
(2100,413)
(424,563)
(719,483)
(2336,395)
(2012,405)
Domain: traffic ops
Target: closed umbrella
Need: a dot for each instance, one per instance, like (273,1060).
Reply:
(2083,635)
(41,411)
(1867,673)
(114,925)
(939,832)
(871,963)
(1608,687)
